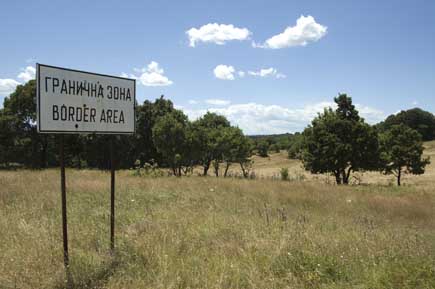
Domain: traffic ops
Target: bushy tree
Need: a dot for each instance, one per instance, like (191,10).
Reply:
(340,142)
(170,138)
(263,148)
(401,152)
(31,148)
(416,118)
(208,133)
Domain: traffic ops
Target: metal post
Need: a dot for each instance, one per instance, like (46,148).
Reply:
(63,190)
(112,197)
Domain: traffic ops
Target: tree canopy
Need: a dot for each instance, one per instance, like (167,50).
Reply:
(340,142)
(401,152)
(421,121)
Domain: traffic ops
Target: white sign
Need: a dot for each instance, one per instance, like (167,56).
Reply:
(72,101)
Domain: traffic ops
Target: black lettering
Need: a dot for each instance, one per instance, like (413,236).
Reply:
(55,83)
(79,115)
(128,95)
(55,112)
(71,113)
(109,95)
(103,116)
(109,115)
(122,93)
(63,88)
(79,88)
(121,117)
(46,85)
(85,114)
(85,86)
(115,116)
(63,112)
(100,91)
(93,90)
(116,93)
(92,115)
(72,87)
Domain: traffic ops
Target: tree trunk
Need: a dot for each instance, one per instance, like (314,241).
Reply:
(228,164)
(206,166)
(244,172)
(216,169)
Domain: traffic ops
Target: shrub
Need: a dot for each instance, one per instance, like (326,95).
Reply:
(284,174)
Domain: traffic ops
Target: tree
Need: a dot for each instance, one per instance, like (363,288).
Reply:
(416,118)
(340,142)
(296,147)
(262,148)
(401,152)
(235,147)
(31,148)
(207,140)
(169,135)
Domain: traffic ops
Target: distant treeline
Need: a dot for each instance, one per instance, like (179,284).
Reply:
(338,141)
(164,137)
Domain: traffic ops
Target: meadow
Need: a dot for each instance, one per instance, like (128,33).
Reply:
(207,232)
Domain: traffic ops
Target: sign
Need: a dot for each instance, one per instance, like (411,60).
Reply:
(73,101)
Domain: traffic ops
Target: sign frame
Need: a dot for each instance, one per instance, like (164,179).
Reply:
(38,103)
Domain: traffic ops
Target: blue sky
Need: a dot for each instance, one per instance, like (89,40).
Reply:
(382,53)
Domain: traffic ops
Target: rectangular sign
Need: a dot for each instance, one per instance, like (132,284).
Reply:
(73,101)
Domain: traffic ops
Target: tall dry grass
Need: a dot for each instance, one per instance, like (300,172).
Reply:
(196,232)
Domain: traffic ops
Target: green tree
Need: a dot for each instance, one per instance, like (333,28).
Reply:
(31,148)
(401,152)
(262,148)
(416,118)
(208,138)
(170,139)
(340,142)
(296,146)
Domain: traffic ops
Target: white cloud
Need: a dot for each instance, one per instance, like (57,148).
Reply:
(254,118)
(192,101)
(225,72)
(305,31)
(217,101)
(7,86)
(152,75)
(216,33)
(266,72)
(241,74)
(27,74)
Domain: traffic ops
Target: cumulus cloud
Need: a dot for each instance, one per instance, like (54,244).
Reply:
(215,101)
(7,86)
(254,118)
(27,74)
(225,72)
(228,72)
(152,75)
(266,72)
(305,31)
(216,33)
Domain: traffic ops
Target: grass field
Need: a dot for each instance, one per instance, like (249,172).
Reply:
(196,232)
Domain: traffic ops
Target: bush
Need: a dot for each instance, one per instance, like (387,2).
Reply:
(284,174)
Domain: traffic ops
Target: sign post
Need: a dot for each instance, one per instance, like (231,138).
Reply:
(78,102)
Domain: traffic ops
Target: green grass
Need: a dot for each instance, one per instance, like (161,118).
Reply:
(196,232)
